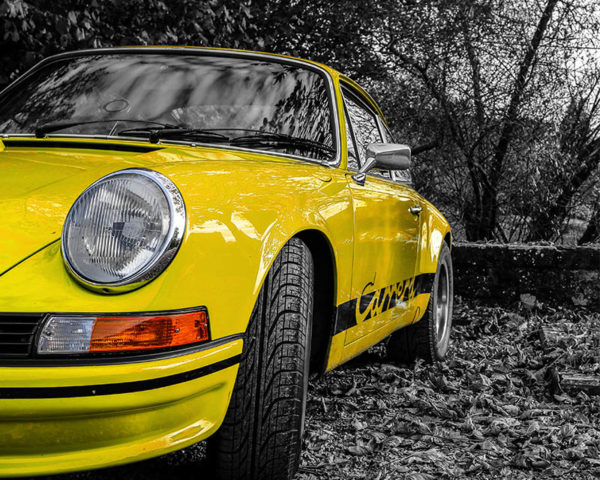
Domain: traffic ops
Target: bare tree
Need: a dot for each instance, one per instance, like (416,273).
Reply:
(500,77)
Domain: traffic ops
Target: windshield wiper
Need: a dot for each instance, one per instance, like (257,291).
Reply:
(155,134)
(43,130)
(280,140)
(262,138)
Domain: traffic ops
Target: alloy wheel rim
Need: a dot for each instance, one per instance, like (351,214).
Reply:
(442,312)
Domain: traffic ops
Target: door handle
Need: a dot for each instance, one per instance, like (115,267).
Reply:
(416,210)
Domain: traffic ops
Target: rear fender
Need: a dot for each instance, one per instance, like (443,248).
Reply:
(435,229)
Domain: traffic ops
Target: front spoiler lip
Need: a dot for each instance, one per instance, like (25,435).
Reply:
(43,436)
(116,388)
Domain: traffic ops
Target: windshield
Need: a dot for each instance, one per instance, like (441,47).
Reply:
(264,105)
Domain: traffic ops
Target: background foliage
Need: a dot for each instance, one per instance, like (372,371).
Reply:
(500,98)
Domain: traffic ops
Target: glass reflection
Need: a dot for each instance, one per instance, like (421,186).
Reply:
(364,126)
(239,97)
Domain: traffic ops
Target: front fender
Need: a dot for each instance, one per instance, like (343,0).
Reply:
(240,240)
(237,223)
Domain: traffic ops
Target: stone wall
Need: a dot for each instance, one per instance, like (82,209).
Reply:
(553,274)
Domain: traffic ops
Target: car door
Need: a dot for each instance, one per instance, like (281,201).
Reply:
(385,231)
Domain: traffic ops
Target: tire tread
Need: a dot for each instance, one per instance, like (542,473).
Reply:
(260,436)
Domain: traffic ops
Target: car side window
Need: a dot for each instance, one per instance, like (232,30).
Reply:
(364,125)
(385,132)
(353,163)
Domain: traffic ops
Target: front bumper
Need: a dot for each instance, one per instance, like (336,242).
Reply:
(58,419)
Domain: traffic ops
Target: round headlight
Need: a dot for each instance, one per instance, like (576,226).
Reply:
(123,230)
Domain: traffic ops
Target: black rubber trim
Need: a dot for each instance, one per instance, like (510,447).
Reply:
(116,388)
(119,147)
(108,359)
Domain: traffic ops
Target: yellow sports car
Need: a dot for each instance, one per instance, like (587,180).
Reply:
(187,235)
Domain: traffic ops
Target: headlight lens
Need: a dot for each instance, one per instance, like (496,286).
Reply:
(124,230)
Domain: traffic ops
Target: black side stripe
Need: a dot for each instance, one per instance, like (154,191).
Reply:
(345,316)
(424,283)
(116,388)
(346,313)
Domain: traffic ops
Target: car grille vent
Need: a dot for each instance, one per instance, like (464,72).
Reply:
(17,333)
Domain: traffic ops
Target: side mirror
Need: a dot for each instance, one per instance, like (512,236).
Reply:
(385,156)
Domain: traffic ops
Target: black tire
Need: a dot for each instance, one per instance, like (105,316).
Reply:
(261,437)
(422,339)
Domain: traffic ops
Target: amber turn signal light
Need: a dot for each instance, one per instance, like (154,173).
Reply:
(115,334)
(121,333)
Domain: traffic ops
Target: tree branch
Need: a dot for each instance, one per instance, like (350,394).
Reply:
(475,73)
(424,147)
(517,94)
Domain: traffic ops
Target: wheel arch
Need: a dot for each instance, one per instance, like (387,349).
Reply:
(325,294)
(435,230)
(448,239)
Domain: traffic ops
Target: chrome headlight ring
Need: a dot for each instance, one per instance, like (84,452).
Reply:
(123,211)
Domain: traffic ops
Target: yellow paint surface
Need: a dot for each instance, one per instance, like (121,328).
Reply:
(242,208)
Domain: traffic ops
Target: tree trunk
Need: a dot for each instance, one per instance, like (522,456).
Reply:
(547,225)
(480,214)
(592,232)
(489,192)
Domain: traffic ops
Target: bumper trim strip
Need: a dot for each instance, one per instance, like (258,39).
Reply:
(116,388)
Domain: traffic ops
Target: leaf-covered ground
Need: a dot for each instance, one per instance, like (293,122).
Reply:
(488,412)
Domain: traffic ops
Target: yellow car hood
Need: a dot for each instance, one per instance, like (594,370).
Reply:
(37,188)
(40,181)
